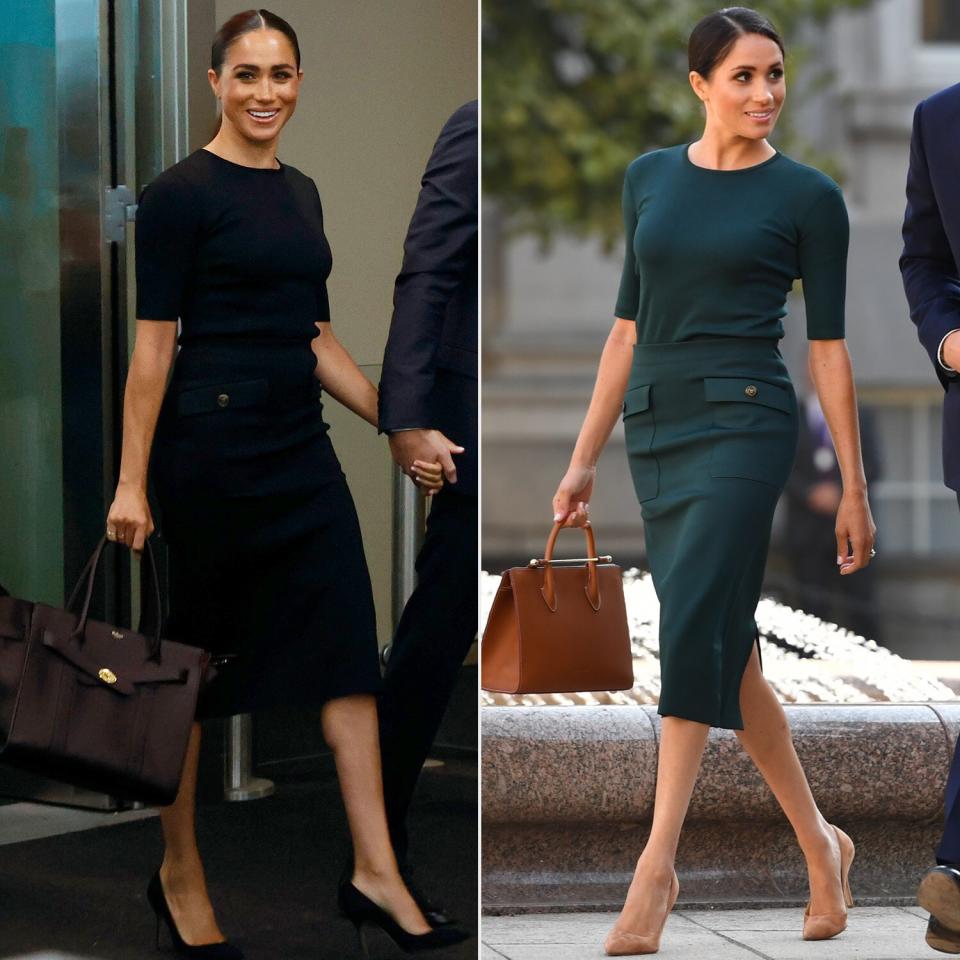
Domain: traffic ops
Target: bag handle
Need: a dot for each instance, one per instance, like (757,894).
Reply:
(591,587)
(90,573)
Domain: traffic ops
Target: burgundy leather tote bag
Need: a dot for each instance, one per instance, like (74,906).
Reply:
(95,705)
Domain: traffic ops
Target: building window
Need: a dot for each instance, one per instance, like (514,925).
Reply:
(941,21)
(916,513)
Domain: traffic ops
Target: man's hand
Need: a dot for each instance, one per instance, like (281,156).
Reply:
(427,446)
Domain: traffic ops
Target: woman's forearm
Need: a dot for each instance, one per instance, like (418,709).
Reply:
(342,378)
(832,375)
(606,402)
(142,399)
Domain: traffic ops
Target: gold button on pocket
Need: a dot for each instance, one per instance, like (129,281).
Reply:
(223,399)
(751,391)
(107,675)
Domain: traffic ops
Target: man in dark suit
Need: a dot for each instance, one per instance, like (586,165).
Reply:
(428,406)
(929,264)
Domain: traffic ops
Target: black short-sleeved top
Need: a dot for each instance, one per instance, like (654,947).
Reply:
(232,250)
(714,253)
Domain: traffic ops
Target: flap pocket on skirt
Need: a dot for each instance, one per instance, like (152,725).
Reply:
(222,396)
(636,400)
(638,432)
(742,390)
(754,429)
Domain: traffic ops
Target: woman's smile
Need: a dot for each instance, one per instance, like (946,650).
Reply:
(264,116)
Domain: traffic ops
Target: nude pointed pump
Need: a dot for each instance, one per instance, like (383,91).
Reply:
(620,944)
(823,926)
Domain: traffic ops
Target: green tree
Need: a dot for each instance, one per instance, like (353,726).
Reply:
(573,90)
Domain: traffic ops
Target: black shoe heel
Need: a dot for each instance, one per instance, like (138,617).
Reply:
(434,913)
(361,910)
(207,951)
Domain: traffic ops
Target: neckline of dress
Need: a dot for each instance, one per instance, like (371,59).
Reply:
(755,166)
(243,166)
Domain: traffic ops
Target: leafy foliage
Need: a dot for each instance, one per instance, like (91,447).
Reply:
(573,90)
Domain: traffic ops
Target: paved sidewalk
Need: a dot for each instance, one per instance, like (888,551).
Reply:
(873,933)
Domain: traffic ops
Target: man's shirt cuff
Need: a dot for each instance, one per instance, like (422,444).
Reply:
(940,359)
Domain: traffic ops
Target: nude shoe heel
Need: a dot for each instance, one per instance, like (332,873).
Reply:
(823,926)
(634,944)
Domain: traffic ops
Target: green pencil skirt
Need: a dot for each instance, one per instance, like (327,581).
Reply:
(711,433)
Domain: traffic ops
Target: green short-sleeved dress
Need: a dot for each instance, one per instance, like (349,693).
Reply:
(710,414)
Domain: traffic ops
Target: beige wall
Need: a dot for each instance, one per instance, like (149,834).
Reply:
(380,79)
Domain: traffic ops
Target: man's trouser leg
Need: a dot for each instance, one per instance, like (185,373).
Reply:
(438,624)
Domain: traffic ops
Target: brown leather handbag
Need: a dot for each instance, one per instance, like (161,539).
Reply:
(558,629)
(94,705)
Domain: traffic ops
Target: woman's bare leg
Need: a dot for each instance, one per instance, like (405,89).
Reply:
(766,738)
(182,871)
(350,729)
(681,750)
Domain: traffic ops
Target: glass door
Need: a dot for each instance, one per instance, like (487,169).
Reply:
(94,98)
(57,399)
(31,389)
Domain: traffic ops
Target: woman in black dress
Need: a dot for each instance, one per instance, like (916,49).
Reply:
(266,559)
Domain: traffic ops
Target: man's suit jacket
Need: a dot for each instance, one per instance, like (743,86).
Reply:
(429,374)
(931,248)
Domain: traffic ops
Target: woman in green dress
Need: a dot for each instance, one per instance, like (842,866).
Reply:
(716,233)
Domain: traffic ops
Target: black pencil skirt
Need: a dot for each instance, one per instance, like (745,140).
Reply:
(267,568)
